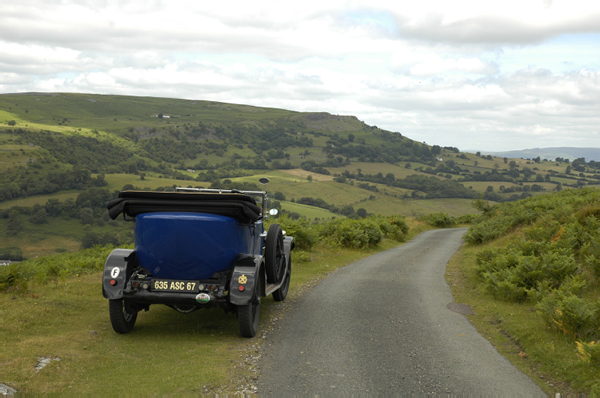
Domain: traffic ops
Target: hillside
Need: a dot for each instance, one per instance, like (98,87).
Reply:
(62,156)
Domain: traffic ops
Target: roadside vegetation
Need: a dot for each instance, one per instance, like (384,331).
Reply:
(531,272)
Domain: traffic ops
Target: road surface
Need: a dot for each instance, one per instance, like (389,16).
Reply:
(382,326)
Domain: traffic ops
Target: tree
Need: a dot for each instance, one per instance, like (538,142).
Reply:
(347,210)
(12,123)
(309,178)
(436,150)
(53,207)
(86,215)
(361,212)
(279,195)
(89,240)
(14,225)
(39,217)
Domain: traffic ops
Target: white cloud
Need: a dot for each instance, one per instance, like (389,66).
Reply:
(470,74)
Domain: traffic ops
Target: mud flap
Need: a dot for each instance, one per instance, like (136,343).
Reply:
(246,270)
(116,270)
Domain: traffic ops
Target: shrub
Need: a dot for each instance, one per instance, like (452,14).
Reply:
(304,235)
(519,270)
(440,220)
(589,352)
(393,227)
(467,219)
(352,233)
(569,314)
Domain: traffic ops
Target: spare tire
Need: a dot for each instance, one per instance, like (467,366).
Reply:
(275,264)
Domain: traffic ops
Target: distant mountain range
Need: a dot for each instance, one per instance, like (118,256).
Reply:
(551,153)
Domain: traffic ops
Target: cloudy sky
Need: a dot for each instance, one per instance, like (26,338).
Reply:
(483,75)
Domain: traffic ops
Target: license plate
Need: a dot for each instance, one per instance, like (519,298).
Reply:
(175,286)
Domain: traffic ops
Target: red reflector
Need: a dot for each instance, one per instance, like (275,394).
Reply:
(241,288)
(113,282)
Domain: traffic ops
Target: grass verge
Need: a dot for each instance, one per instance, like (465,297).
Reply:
(535,349)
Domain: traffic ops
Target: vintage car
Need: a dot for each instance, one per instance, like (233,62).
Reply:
(196,248)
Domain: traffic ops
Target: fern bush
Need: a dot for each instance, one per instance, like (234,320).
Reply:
(552,260)
(350,233)
(570,315)
(304,234)
(365,232)
(393,227)
(440,220)
(515,272)
(589,352)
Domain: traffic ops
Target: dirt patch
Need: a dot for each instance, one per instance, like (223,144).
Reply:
(303,174)
(464,309)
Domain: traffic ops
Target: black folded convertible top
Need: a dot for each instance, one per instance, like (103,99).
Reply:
(239,206)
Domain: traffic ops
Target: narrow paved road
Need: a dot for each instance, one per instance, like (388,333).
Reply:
(382,326)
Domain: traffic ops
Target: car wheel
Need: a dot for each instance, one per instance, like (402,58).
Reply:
(274,255)
(122,316)
(248,314)
(281,293)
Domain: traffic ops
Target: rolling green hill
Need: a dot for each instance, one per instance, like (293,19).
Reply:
(63,155)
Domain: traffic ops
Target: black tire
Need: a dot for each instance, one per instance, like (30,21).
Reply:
(248,314)
(281,293)
(274,256)
(122,316)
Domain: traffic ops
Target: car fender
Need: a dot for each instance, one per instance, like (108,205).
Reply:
(247,270)
(288,245)
(116,268)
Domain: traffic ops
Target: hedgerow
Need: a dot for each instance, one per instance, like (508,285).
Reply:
(363,232)
(440,220)
(17,276)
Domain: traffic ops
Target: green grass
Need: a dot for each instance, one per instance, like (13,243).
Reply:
(310,212)
(39,199)
(69,320)
(152,181)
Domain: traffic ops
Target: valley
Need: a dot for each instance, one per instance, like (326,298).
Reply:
(62,156)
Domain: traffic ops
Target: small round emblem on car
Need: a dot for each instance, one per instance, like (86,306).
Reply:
(203,298)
